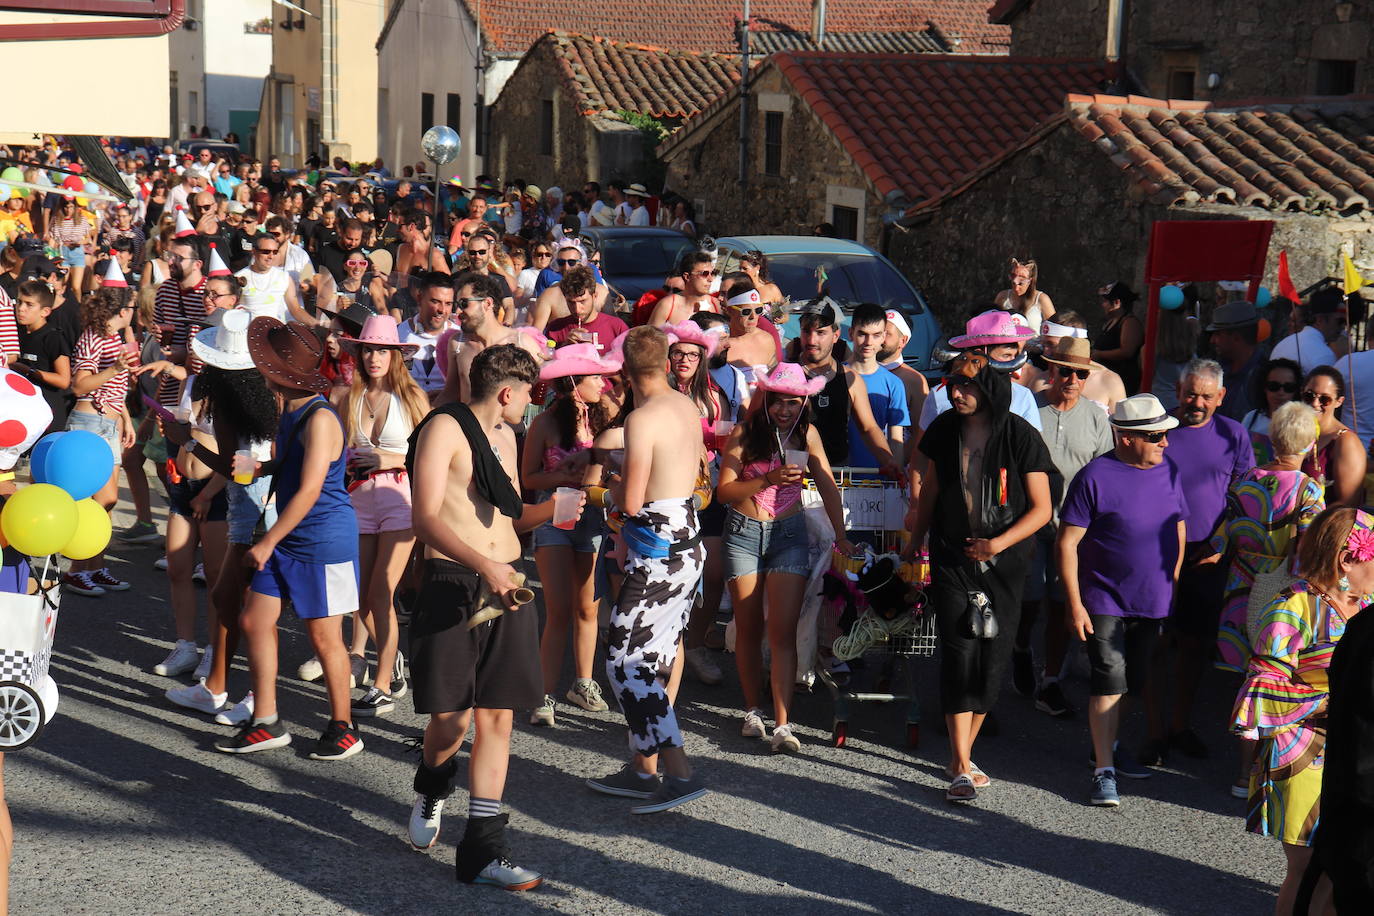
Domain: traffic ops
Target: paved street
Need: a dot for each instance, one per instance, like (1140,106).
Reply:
(122,806)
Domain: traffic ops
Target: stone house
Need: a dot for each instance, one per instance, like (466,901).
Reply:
(1079,194)
(1218,50)
(855,140)
(560,118)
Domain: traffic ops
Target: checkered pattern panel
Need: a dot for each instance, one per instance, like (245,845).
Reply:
(16,666)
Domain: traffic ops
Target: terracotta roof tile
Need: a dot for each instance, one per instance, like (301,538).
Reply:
(1310,157)
(511,26)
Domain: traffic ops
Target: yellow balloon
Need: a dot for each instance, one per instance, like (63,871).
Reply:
(39,519)
(92,531)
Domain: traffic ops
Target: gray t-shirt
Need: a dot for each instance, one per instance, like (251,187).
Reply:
(1074,437)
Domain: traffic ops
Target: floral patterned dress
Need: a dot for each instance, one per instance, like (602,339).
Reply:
(1266,512)
(1283,703)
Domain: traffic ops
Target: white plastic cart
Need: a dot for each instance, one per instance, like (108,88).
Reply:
(28,695)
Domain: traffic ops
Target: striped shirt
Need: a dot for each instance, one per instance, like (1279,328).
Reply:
(70,232)
(184,310)
(9,329)
(96,353)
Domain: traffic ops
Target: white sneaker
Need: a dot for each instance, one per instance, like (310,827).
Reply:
(784,742)
(310,670)
(703,666)
(753,726)
(160,563)
(203,669)
(505,874)
(424,821)
(543,713)
(198,697)
(241,712)
(183,658)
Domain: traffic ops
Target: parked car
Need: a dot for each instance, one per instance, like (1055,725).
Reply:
(218,149)
(853,273)
(636,259)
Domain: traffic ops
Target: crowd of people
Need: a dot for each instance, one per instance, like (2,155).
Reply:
(350,407)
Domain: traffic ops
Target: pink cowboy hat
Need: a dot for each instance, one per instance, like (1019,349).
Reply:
(788,378)
(990,328)
(378,331)
(687,332)
(578,359)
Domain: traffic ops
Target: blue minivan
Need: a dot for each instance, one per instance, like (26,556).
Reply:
(853,273)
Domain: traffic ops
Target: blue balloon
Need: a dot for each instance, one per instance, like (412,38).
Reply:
(80,463)
(1263,297)
(92,188)
(1170,297)
(38,457)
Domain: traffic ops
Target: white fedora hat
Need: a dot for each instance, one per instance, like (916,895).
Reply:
(1141,413)
(225,346)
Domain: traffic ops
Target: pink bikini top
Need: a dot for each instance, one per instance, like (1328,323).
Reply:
(774,499)
(555,455)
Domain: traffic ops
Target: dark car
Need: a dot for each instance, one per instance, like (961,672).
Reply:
(636,259)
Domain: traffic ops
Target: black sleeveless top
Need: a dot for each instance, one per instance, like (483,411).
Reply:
(1128,369)
(830,413)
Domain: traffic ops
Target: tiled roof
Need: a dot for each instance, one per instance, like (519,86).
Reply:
(1004,11)
(607,75)
(511,26)
(927,41)
(920,124)
(1306,155)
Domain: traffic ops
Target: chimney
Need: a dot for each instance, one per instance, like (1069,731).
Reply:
(818,23)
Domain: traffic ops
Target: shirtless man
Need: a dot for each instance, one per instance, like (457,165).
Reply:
(698,270)
(468,513)
(475,310)
(551,303)
(415,249)
(748,345)
(1103,386)
(890,358)
(663,563)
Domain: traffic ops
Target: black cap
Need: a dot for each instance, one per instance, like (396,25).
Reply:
(1118,290)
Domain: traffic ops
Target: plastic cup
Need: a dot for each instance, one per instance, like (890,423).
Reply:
(722,429)
(244,466)
(566,501)
(796,456)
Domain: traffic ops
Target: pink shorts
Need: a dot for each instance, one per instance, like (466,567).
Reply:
(382,503)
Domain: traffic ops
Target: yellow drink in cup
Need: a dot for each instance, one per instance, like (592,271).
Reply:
(244,466)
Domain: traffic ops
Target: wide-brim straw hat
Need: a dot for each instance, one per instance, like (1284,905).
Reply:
(1074,352)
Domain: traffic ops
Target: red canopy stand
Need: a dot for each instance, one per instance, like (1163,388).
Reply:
(1189,251)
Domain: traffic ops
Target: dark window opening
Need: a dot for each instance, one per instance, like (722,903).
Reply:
(846,222)
(1335,77)
(454,116)
(1182,84)
(772,143)
(481,125)
(546,127)
(426,111)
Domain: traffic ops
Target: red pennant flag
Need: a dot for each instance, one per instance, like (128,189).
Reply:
(1286,288)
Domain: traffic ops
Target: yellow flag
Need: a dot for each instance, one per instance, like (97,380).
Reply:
(1353,280)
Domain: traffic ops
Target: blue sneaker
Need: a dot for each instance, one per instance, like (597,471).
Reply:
(1125,763)
(1104,794)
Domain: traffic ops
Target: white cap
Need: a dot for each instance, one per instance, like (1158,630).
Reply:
(899,322)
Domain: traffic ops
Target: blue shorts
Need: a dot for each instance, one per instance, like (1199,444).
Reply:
(780,545)
(103,425)
(315,590)
(74,256)
(584,537)
(245,508)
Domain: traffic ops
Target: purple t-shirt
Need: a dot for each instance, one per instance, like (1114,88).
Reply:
(1209,457)
(1127,557)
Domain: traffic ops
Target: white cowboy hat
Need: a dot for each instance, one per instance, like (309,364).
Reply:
(225,345)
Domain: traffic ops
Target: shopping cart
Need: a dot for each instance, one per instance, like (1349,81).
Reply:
(28,696)
(884,620)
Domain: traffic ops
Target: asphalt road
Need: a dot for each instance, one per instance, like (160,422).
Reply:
(122,806)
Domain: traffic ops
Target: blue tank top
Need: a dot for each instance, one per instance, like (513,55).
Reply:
(329,531)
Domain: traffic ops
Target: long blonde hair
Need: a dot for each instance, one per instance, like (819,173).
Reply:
(398,379)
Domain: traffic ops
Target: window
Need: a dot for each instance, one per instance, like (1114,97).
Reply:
(426,111)
(455,112)
(1335,77)
(772,143)
(846,222)
(481,125)
(546,127)
(286,120)
(1182,83)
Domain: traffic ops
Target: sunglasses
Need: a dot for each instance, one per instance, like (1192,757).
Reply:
(703,273)
(746,310)
(1285,387)
(1066,372)
(543,254)
(1311,397)
(356,262)
(266,250)
(1155,437)
(480,252)
(568,262)
(466,235)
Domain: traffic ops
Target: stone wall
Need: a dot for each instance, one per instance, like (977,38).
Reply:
(515,127)
(791,204)
(1257,48)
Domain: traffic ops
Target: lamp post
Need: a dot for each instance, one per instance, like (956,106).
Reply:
(440,145)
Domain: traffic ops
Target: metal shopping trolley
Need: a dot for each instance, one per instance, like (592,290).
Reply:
(28,695)
(881,616)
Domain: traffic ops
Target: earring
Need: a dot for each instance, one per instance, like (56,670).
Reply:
(1343,584)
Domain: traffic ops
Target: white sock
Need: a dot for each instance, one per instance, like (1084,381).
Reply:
(1100,770)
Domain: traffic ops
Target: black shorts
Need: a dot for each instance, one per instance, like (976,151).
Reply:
(1197,601)
(181,493)
(712,519)
(1119,654)
(494,666)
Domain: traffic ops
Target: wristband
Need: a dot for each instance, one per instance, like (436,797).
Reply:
(190,446)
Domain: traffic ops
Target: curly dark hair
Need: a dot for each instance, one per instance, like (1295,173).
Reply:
(564,410)
(243,398)
(99,307)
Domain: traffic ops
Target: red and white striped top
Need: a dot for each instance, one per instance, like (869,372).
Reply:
(96,353)
(70,232)
(9,328)
(184,310)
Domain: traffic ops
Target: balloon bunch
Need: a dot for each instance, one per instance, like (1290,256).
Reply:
(56,514)
(10,174)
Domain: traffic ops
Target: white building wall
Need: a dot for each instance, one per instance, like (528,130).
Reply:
(186,72)
(236,59)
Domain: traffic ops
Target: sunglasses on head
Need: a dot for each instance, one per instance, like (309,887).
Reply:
(1067,371)
(1286,387)
(746,310)
(1311,397)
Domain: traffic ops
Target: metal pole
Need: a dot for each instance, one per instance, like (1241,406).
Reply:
(439,223)
(744,108)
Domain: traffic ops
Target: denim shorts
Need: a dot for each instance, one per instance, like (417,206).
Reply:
(182,492)
(106,427)
(752,546)
(245,508)
(74,256)
(584,537)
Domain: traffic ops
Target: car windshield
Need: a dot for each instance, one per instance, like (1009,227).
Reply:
(849,279)
(654,256)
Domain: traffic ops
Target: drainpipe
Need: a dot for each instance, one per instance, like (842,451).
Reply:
(1115,49)
(818,24)
(744,109)
(329,31)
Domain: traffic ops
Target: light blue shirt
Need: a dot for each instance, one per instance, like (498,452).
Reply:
(1022,404)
